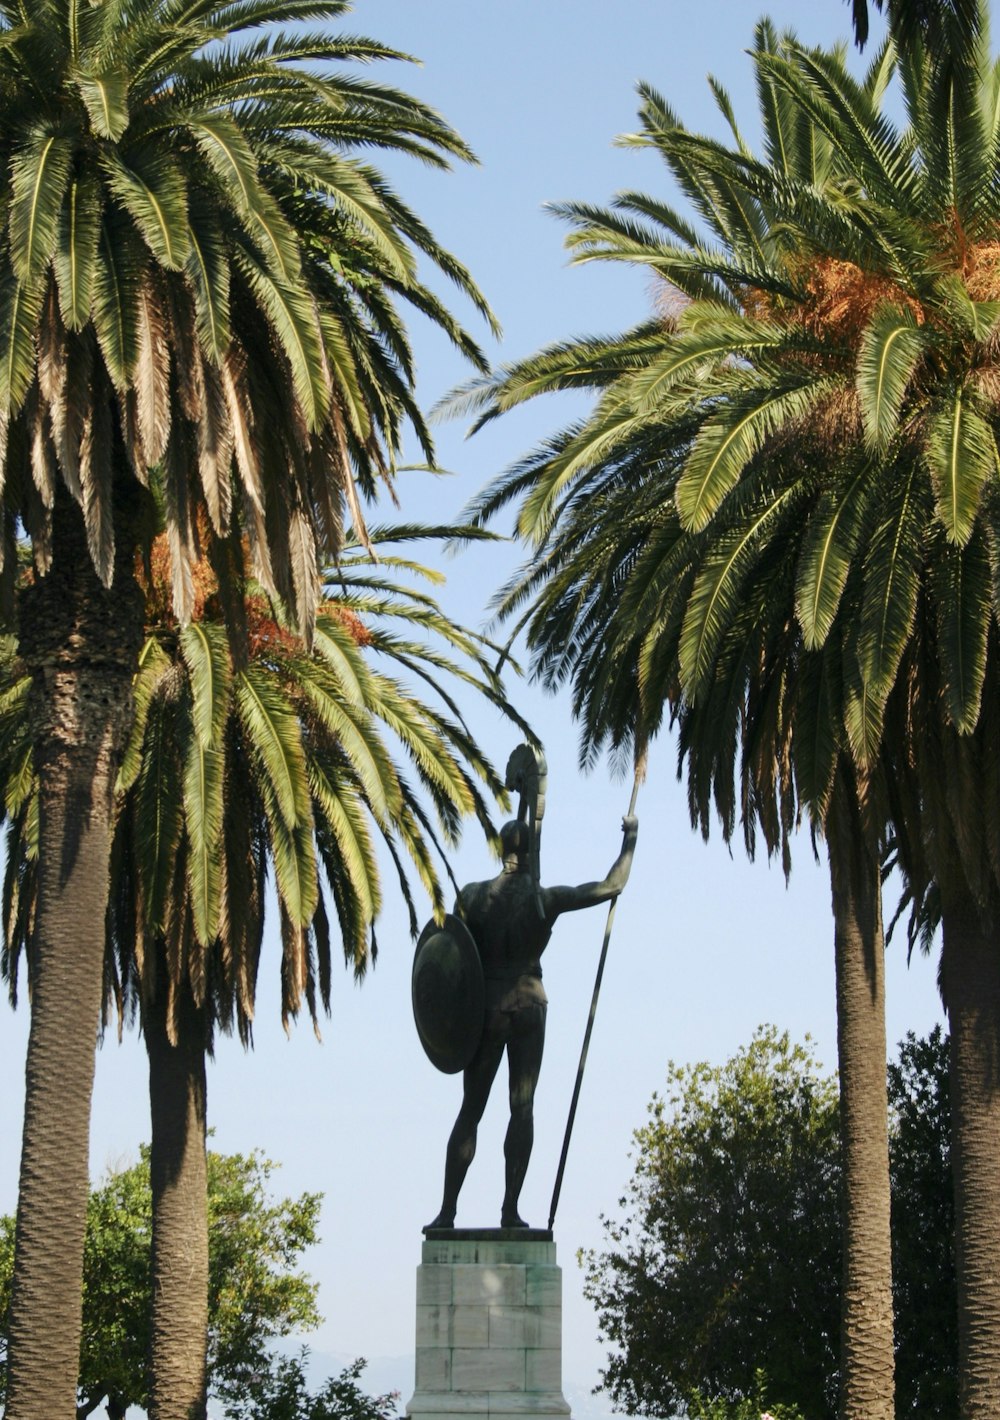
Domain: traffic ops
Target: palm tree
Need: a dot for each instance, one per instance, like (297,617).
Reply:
(230,771)
(613,597)
(199,288)
(780,521)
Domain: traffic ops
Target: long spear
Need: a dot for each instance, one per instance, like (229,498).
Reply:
(640,772)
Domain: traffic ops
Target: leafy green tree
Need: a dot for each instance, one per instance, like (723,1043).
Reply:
(724,1253)
(923,1229)
(282,1392)
(200,289)
(779,526)
(754,1407)
(257,1292)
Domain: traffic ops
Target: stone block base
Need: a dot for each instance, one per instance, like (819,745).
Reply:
(489,1327)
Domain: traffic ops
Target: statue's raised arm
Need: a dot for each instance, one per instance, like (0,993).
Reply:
(556,900)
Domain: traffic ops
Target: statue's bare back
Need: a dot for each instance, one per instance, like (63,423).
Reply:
(510,918)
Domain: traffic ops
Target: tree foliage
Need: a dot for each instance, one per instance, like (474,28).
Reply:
(283,1393)
(727,1256)
(202,273)
(257,1290)
(923,1229)
(718,1285)
(295,759)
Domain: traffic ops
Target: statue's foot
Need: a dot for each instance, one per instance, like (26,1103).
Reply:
(511,1218)
(445,1219)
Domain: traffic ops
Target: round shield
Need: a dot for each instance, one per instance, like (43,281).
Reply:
(449,995)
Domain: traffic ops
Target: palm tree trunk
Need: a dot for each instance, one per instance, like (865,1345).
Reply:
(179,1180)
(866,1336)
(970,986)
(81,643)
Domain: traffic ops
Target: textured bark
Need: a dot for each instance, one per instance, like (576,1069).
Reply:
(970,985)
(866,1334)
(179,1180)
(80,643)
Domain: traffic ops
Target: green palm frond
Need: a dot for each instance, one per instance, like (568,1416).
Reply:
(105,97)
(275,740)
(961,454)
(75,256)
(20,307)
(961,580)
(729,441)
(117,278)
(153,191)
(887,356)
(206,657)
(294,860)
(159,812)
(891,584)
(719,586)
(153,665)
(204,769)
(345,843)
(818,740)
(39,174)
(829,547)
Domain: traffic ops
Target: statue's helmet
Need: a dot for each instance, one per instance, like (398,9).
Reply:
(515,839)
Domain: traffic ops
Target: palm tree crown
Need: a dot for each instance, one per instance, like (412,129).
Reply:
(282,763)
(199,276)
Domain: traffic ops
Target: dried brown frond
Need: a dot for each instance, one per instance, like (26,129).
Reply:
(343,481)
(987,382)
(265,634)
(324,450)
(43,454)
(760,305)
(68,413)
(237,397)
(157,586)
(351,622)
(670,302)
(51,341)
(215,443)
(96,463)
(838,302)
(837,418)
(152,372)
(833,422)
(840,299)
(305,572)
(982,271)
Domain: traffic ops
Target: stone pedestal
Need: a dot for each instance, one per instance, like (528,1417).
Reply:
(489,1326)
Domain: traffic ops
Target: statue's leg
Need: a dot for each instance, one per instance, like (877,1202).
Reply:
(524,1055)
(477,1080)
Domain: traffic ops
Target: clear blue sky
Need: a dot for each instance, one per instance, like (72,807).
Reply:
(706,947)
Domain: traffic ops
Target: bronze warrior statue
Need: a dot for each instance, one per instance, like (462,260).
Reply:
(510,919)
